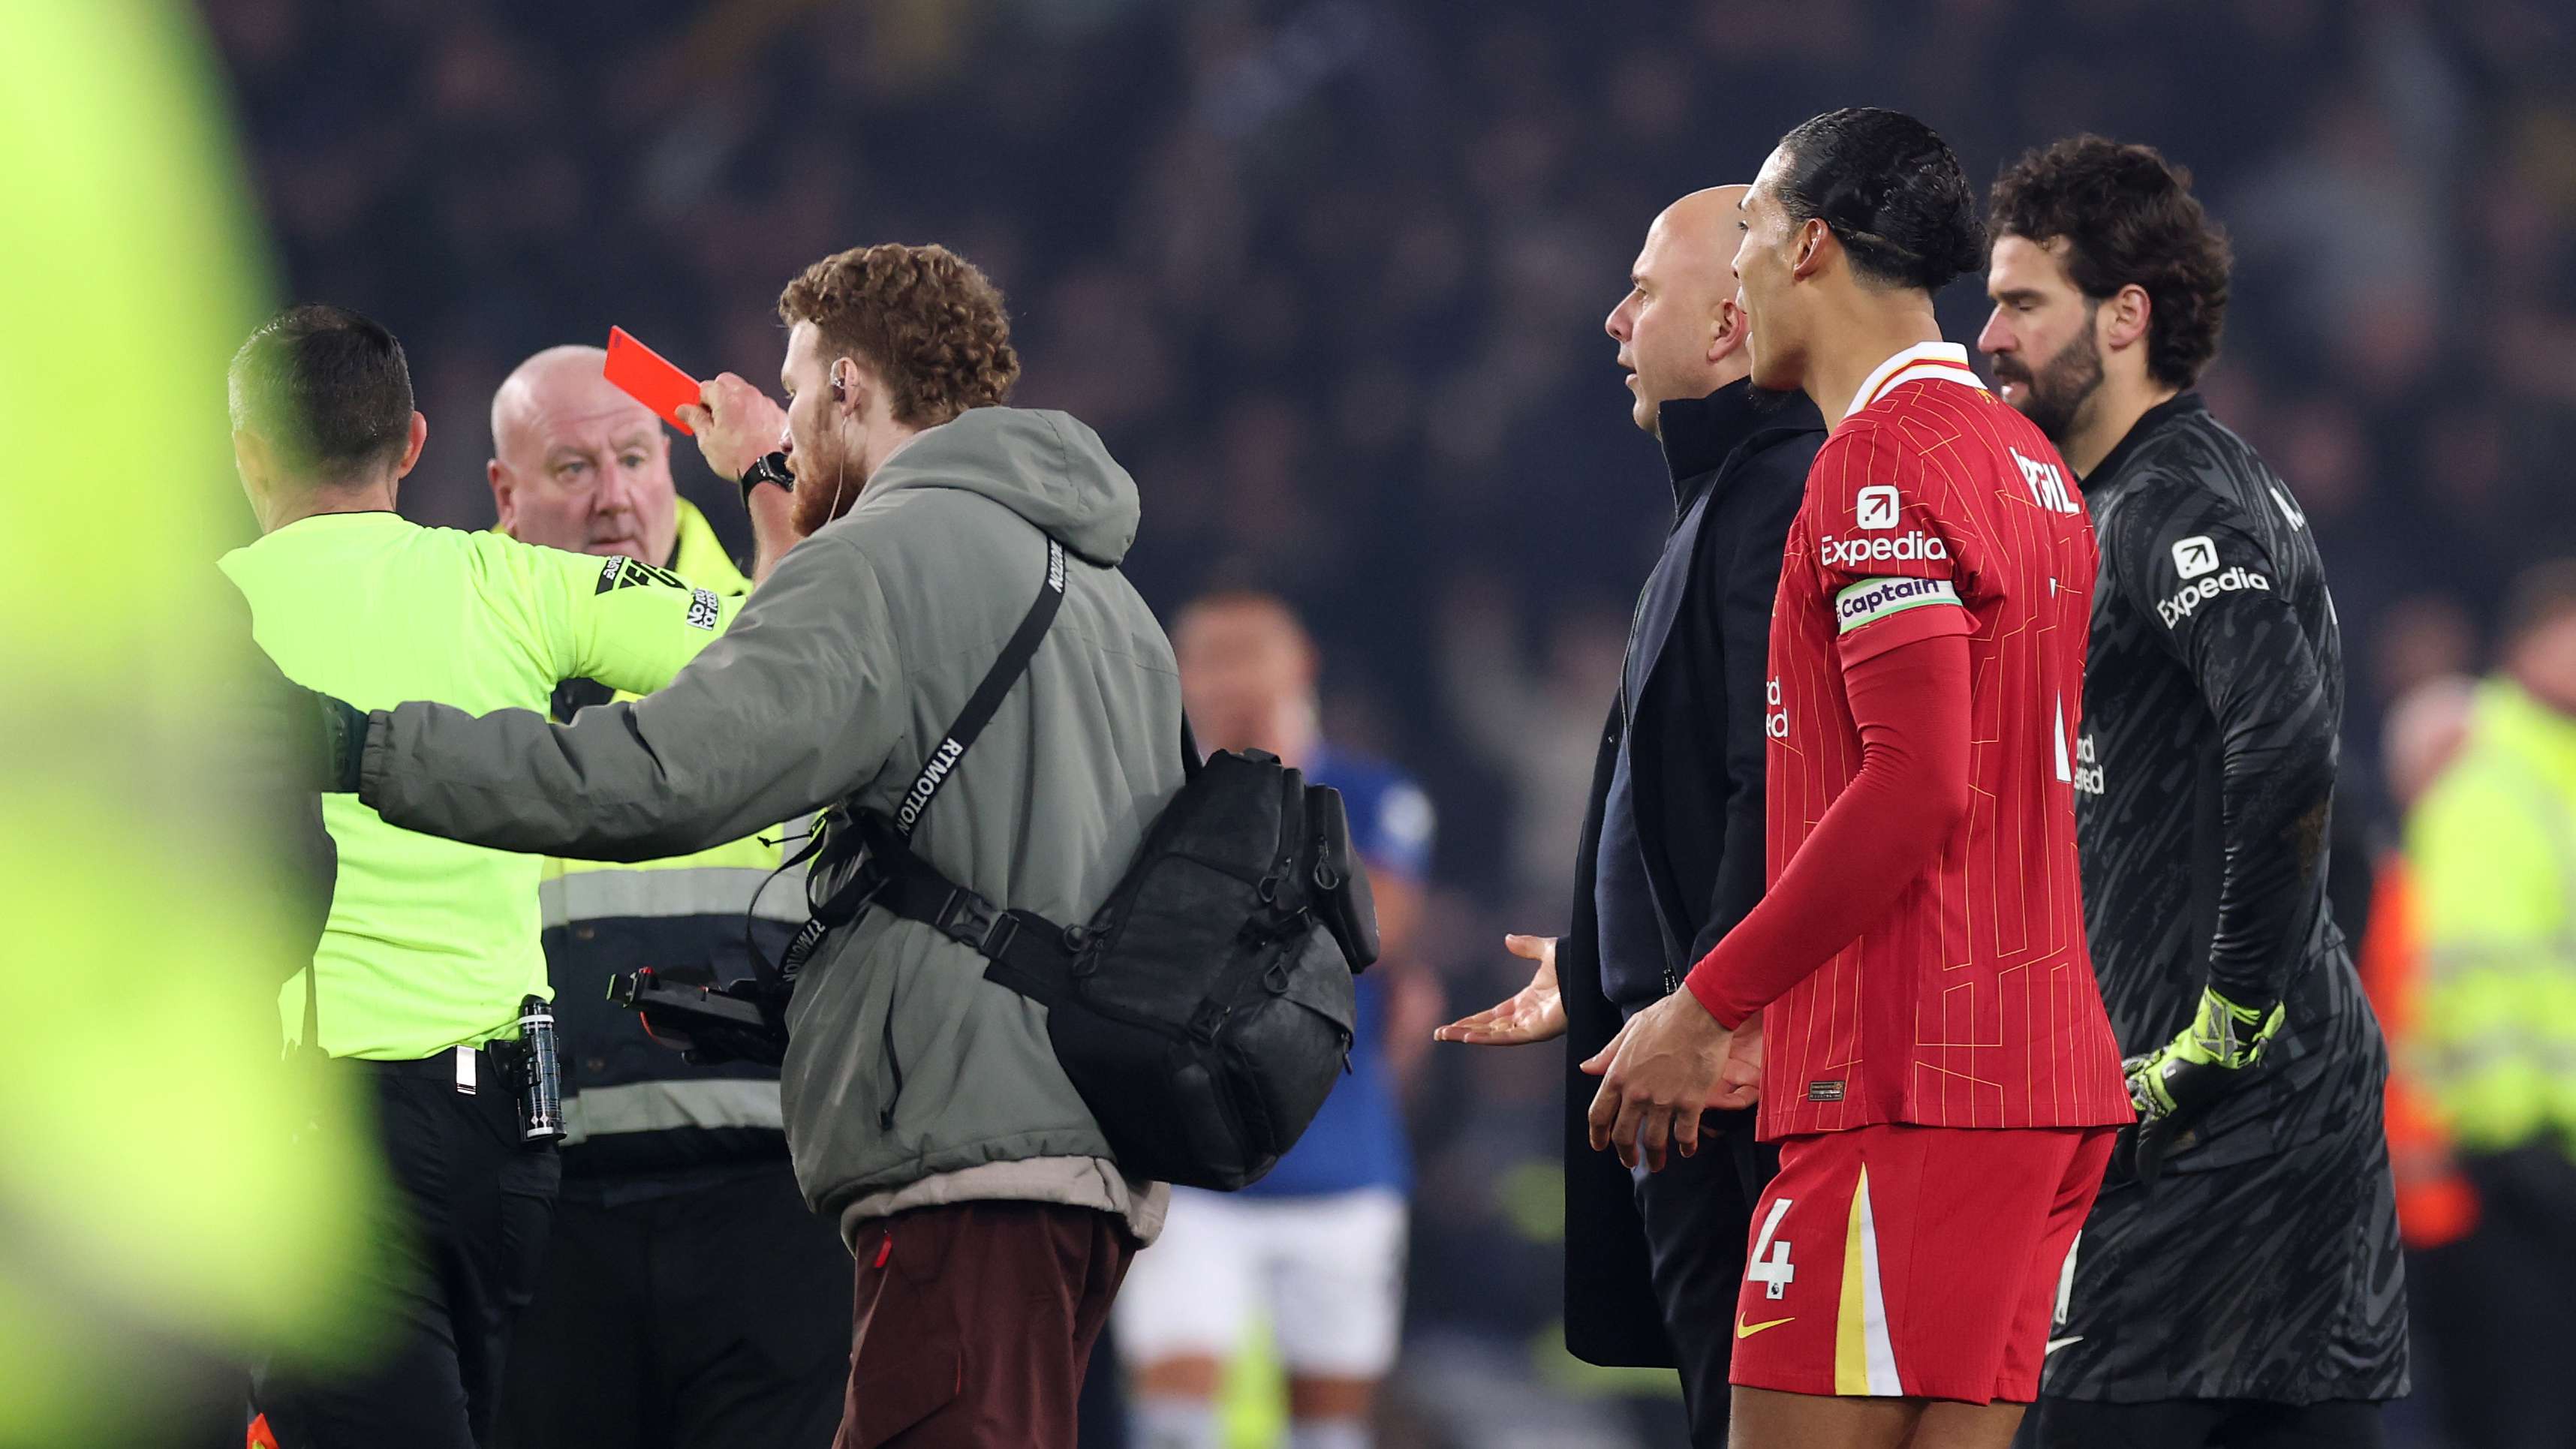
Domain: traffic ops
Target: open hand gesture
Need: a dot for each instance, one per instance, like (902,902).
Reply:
(1535,1013)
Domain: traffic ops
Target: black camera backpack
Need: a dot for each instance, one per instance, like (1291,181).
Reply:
(1204,1011)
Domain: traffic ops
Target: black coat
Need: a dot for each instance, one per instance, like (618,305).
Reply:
(1696,769)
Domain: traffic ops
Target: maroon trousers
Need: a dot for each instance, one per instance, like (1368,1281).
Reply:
(974,1323)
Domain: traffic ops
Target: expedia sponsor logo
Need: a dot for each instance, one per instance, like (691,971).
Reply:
(2088,768)
(1875,508)
(2195,556)
(1854,553)
(1775,716)
(942,760)
(1877,598)
(2181,606)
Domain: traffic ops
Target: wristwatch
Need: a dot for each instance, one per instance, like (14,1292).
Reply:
(770,468)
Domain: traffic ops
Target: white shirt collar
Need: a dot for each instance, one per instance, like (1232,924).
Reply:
(1947,360)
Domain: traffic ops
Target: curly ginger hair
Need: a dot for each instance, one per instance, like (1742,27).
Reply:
(927,320)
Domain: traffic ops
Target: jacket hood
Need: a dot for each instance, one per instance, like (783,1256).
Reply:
(1047,467)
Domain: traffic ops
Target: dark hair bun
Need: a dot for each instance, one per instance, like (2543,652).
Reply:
(1892,190)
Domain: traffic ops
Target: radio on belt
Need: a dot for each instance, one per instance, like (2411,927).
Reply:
(541,1116)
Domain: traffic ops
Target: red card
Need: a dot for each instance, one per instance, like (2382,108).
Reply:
(644,375)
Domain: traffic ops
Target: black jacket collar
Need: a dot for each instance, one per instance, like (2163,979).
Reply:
(1700,434)
(2181,405)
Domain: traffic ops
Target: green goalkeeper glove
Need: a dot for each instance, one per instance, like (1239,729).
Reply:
(2174,1085)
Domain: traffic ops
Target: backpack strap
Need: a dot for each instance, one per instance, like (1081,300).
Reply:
(1029,953)
(941,763)
(887,839)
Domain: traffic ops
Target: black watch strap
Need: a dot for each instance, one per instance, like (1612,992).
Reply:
(768,468)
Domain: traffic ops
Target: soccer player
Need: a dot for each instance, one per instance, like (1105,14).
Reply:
(2240,1281)
(1319,1243)
(1940,1075)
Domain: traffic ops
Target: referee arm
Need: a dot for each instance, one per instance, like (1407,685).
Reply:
(797,706)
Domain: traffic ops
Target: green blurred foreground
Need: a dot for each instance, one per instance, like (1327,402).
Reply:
(155,1209)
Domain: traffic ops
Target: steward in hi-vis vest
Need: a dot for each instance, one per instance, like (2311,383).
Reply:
(686,1284)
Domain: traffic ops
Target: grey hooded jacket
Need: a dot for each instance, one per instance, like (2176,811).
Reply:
(909,1078)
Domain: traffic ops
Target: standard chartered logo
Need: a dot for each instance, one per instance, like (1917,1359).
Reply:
(1852,553)
(2088,766)
(1775,718)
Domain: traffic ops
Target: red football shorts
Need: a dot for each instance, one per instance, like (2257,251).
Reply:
(1916,1262)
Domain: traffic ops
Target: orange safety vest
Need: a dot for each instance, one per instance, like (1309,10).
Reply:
(2435,1204)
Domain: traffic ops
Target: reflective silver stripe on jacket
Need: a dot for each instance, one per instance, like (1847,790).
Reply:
(664,1106)
(696,890)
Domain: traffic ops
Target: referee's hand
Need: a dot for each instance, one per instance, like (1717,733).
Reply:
(735,424)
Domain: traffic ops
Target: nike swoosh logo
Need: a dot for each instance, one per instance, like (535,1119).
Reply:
(2055,1344)
(1747,1330)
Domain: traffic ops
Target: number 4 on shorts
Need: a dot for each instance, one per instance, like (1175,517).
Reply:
(1770,1263)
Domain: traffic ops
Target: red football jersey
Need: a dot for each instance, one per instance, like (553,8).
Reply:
(1936,509)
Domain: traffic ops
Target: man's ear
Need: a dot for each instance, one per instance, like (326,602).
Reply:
(411,448)
(250,454)
(2126,316)
(1814,239)
(1729,332)
(505,491)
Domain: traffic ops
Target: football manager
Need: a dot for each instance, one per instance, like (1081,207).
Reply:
(924,1106)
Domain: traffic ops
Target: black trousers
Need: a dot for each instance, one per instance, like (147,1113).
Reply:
(2496,1311)
(462,1231)
(2202,1424)
(1698,1215)
(684,1312)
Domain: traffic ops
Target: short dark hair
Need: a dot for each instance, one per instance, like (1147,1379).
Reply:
(327,388)
(2128,217)
(1891,189)
(2539,596)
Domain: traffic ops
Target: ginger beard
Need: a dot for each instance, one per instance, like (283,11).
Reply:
(825,487)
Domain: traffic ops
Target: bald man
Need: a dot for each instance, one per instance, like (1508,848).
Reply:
(1671,854)
(689,1297)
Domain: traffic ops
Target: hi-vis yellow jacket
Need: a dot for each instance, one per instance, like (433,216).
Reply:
(2493,847)
(629,1102)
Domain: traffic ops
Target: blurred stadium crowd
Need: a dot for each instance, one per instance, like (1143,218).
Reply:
(1329,274)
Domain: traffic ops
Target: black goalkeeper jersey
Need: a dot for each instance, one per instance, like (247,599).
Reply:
(2213,697)
(2264,1263)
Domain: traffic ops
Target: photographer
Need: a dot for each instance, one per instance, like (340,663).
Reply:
(924,1104)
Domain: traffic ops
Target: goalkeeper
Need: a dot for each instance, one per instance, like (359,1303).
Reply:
(2239,1281)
